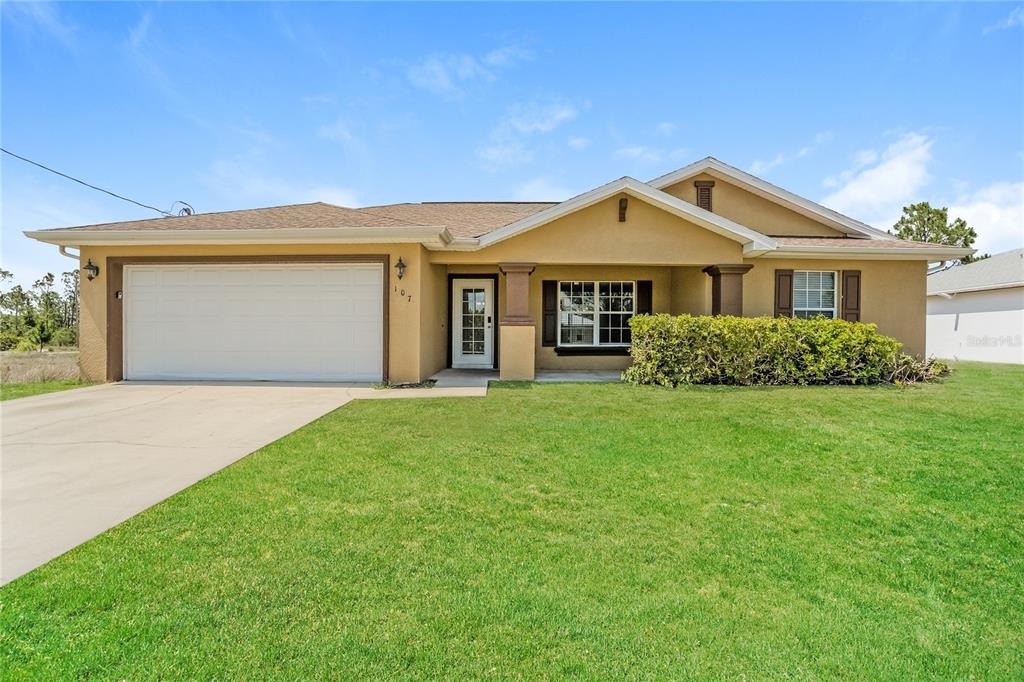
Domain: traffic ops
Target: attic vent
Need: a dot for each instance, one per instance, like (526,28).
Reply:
(704,193)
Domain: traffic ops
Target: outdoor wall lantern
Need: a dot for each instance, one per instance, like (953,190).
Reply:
(92,271)
(400,267)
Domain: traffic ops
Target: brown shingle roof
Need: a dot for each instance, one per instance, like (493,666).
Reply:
(463,218)
(317,214)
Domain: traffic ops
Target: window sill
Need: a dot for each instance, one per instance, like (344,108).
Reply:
(591,350)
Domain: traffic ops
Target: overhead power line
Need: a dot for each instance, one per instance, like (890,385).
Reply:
(83,182)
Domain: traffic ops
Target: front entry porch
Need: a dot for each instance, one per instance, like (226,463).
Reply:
(575,318)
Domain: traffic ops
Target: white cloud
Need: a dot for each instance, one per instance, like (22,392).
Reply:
(339,131)
(42,17)
(1014,18)
(507,56)
(507,144)
(540,118)
(509,152)
(665,128)
(579,143)
(137,34)
(432,75)
(864,157)
(340,196)
(319,99)
(877,192)
(638,152)
(445,74)
(996,213)
(543,189)
(760,167)
(245,179)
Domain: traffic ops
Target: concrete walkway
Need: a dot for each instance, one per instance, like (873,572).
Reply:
(75,463)
(464,378)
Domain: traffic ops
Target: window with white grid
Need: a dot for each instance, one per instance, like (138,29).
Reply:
(814,294)
(595,313)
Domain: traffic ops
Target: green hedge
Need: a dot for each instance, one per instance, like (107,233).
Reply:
(671,350)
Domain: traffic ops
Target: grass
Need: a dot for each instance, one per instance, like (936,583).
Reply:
(24,390)
(587,531)
(34,373)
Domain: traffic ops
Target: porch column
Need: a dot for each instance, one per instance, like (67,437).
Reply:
(518,332)
(727,288)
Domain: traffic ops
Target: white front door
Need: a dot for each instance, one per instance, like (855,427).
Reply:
(473,323)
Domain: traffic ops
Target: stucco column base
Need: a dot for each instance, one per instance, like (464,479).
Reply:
(518,344)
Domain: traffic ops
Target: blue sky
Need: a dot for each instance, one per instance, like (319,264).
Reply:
(865,107)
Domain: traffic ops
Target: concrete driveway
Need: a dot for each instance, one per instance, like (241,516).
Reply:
(78,462)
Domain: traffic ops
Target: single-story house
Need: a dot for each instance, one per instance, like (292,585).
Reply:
(976,311)
(399,292)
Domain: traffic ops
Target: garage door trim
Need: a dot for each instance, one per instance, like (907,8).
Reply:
(115,285)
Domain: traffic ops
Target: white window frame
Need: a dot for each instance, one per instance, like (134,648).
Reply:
(597,311)
(835,293)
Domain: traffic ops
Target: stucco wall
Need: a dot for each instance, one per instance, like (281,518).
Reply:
(746,208)
(978,325)
(892,293)
(650,236)
(691,291)
(433,318)
(404,357)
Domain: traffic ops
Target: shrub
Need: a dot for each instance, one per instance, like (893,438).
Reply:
(685,349)
(26,345)
(63,338)
(8,340)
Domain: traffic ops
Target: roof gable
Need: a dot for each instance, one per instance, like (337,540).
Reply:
(762,188)
(753,242)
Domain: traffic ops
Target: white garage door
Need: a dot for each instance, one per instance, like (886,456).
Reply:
(311,322)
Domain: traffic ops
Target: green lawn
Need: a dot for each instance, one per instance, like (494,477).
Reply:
(590,531)
(24,390)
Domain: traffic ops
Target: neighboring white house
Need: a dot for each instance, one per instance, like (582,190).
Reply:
(976,311)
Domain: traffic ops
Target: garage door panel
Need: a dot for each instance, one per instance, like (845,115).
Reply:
(263,322)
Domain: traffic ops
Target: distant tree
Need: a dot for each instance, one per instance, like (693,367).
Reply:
(69,300)
(48,307)
(18,303)
(923,223)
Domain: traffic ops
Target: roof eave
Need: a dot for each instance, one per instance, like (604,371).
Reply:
(980,287)
(875,253)
(429,235)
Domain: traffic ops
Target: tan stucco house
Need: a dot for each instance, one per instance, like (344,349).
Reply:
(399,292)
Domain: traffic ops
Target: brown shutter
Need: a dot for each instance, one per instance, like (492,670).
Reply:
(851,295)
(643,298)
(549,322)
(783,293)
